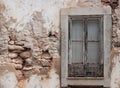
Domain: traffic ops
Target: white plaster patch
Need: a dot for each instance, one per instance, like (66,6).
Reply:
(115,75)
(8,80)
(33,82)
(36,81)
(52,82)
(23,10)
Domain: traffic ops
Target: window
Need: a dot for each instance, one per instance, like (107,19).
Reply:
(85,46)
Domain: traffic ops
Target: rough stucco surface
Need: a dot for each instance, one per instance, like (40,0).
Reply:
(30,42)
(8,80)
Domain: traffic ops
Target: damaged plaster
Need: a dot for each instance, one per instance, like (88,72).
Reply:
(30,41)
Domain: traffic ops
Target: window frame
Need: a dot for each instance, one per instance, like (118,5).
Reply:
(85,20)
(107,26)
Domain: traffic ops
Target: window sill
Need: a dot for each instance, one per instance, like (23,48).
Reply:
(85,78)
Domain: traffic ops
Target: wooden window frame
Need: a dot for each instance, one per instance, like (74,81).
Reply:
(84,19)
(105,12)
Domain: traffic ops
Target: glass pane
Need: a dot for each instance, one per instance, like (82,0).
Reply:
(93,52)
(77,52)
(93,30)
(77,30)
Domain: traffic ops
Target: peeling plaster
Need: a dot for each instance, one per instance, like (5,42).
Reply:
(38,82)
(8,80)
(115,75)
(18,15)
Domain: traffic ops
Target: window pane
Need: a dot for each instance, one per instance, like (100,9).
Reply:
(93,52)
(77,30)
(93,30)
(77,52)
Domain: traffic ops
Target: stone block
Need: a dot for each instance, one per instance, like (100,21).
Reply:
(12,55)
(25,54)
(15,47)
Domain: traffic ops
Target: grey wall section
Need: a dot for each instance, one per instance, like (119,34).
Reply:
(30,41)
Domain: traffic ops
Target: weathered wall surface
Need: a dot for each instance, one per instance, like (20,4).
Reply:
(30,41)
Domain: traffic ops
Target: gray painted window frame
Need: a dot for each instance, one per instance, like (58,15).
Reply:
(107,26)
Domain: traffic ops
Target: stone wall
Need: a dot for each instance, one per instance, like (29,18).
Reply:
(30,41)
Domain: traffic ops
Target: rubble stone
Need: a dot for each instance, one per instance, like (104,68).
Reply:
(28,61)
(18,66)
(46,56)
(12,55)
(25,54)
(11,42)
(17,60)
(15,47)
(45,63)
(27,68)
